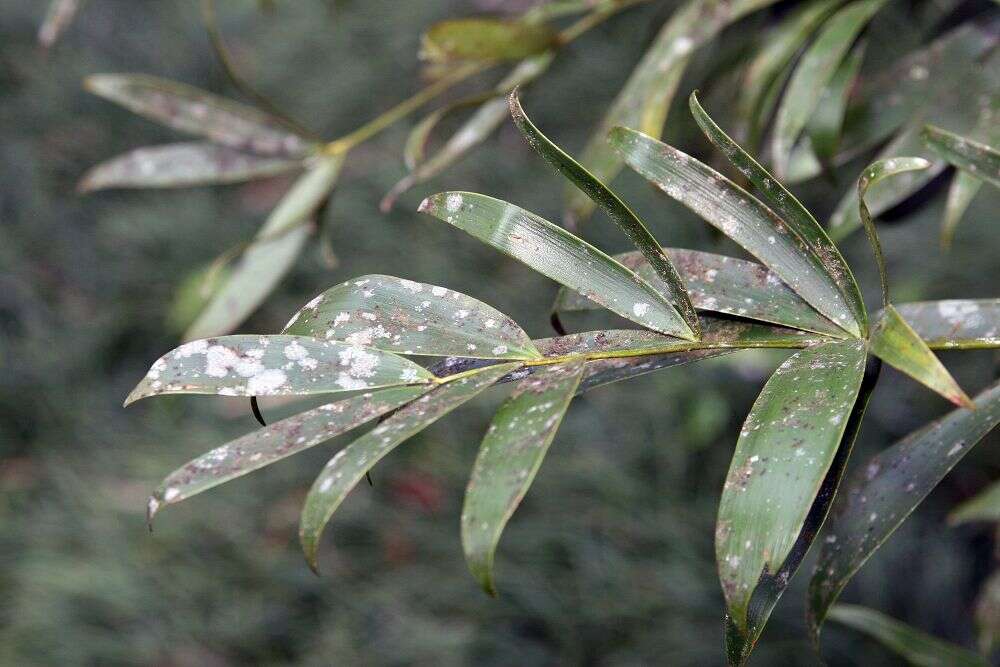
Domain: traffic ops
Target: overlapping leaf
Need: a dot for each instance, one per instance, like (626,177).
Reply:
(485,39)
(722,284)
(271,255)
(787,447)
(182,165)
(741,217)
(965,324)
(812,75)
(984,506)
(883,492)
(916,647)
(275,442)
(509,458)
(401,315)
(274,366)
(195,111)
(348,467)
(645,99)
(563,257)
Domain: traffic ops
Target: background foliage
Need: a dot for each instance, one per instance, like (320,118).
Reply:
(612,550)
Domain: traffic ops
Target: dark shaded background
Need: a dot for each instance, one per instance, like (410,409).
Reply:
(609,560)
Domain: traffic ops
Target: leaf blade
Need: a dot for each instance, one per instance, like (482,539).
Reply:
(485,39)
(509,458)
(979,159)
(965,324)
(984,506)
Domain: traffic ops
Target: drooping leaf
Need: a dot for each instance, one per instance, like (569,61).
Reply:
(786,448)
(509,458)
(824,127)
(485,39)
(349,466)
(401,315)
(473,131)
(182,165)
(984,506)
(59,16)
(274,366)
(882,492)
(195,111)
(765,73)
(563,257)
(961,192)
(644,100)
(617,210)
(741,217)
(916,647)
(275,442)
(271,255)
(897,344)
(978,159)
(789,209)
(964,324)
(813,74)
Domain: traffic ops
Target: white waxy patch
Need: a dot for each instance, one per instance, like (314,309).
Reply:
(710,275)
(640,309)
(490,323)
(411,286)
(439,291)
(188,349)
(409,375)
(171,493)
(361,364)
(453,202)
(957,310)
(296,351)
(267,381)
(341,318)
(325,486)
(500,349)
(461,314)
(219,360)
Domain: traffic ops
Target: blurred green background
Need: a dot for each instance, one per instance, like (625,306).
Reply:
(609,561)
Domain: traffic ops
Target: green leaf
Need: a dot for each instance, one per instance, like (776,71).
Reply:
(645,99)
(786,448)
(401,315)
(741,217)
(349,466)
(988,614)
(964,324)
(563,257)
(485,39)
(59,16)
(825,126)
(883,492)
(509,458)
(472,132)
(274,366)
(723,284)
(766,72)
(271,255)
(789,209)
(813,73)
(984,506)
(188,109)
(896,343)
(962,190)
(277,441)
(916,647)
(615,208)
(182,165)
(978,159)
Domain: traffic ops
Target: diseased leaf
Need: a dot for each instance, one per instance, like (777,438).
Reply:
(485,39)
(741,217)
(401,315)
(349,466)
(644,100)
(978,159)
(965,324)
(916,647)
(825,125)
(882,493)
(813,73)
(563,257)
(984,506)
(274,366)
(509,458)
(271,255)
(897,344)
(472,132)
(786,448)
(58,17)
(723,284)
(195,111)
(182,165)
(766,72)
(962,190)
(617,210)
(275,442)
(789,209)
